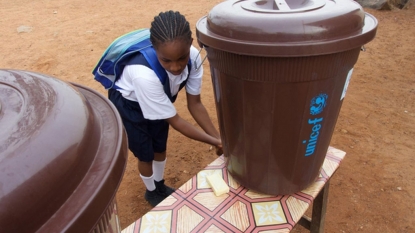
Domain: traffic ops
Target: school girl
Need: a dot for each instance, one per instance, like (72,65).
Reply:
(146,106)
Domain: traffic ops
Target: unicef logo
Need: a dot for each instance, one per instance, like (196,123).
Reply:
(318,103)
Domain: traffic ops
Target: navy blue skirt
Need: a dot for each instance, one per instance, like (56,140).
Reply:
(145,137)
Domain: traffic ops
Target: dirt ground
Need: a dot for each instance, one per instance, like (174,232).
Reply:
(373,190)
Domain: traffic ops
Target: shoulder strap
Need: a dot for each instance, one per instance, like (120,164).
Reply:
(147,56)
(150,55)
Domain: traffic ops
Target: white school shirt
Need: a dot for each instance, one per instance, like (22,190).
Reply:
(140,83)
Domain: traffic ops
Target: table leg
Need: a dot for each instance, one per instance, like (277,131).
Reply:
(316,223)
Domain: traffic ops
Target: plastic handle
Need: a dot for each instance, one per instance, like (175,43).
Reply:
(282,5)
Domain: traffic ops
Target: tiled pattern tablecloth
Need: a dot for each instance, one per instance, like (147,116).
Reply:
(195,208)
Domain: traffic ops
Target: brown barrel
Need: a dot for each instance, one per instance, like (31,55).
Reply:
(280,71)
(63,151)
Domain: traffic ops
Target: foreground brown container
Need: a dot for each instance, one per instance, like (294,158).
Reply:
(63,152)
(280,71)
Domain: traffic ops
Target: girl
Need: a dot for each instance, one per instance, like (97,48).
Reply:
(146,106)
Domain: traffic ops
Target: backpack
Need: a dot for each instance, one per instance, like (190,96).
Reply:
(109,68)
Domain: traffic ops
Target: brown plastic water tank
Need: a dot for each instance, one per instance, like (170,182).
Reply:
(280,71)
(63,151)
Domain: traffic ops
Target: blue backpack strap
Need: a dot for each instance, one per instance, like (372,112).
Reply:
(142,60)
(150,55)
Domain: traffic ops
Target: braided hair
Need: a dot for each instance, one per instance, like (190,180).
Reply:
(169,26)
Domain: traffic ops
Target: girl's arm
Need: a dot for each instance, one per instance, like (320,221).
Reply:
(192,132)
(201,116)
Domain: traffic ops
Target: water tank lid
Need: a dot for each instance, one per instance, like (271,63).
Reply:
(63,152)
(286,28)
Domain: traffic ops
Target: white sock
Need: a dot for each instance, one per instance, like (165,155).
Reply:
(149,182)
(158,169)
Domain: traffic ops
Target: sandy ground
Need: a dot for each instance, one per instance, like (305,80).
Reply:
(373,190)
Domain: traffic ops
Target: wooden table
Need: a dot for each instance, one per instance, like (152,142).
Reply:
(195,208)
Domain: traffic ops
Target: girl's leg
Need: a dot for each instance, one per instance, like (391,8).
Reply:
(138,142)
(146,173)
(159,165)
(152,194)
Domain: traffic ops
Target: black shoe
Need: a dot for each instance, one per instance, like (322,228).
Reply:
(153,197)
(162,189)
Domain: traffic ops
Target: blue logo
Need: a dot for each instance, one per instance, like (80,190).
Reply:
(318,103)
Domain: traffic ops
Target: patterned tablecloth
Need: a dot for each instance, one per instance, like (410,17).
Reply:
(195,208)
